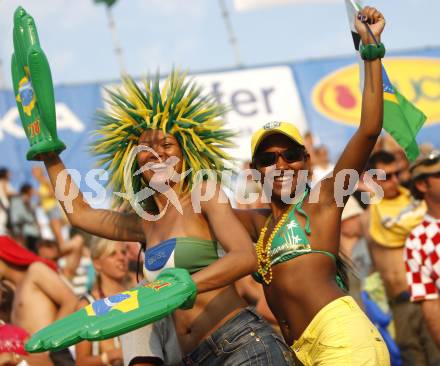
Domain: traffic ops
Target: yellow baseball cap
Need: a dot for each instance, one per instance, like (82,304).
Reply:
(271,128)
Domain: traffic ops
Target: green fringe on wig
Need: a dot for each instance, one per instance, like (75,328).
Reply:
(178,108)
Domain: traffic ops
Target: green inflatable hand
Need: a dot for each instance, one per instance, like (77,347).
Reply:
(33,88)
(119,314)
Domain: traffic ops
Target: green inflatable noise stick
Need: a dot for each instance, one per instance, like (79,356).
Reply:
(119,314)
(33,88)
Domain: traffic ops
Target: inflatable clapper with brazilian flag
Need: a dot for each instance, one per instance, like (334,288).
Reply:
(116,314)
(33,88)
(119,314)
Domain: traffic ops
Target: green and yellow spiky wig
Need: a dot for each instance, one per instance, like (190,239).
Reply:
(178,108)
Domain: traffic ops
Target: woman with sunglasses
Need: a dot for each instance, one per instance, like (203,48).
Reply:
(298,240)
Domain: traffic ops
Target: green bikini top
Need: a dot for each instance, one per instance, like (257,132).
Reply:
(190,253)
(290,241)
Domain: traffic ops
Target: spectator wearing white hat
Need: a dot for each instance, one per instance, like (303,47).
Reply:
(422,248)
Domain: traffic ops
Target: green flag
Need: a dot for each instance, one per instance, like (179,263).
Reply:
(401,118)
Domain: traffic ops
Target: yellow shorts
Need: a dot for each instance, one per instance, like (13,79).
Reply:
(341,334)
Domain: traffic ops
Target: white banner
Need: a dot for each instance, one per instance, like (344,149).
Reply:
(245,5)
(255,97)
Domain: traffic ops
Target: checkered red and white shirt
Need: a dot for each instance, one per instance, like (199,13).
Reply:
(422,260)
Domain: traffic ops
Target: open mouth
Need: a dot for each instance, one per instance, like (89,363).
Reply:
(285,177)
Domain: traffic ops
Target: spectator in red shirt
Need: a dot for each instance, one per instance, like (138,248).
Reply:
(422,248)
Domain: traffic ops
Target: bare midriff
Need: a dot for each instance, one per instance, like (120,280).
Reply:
(389,263)
(305,284)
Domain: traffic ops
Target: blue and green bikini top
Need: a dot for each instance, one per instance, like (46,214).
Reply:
(287,241)
(190,253)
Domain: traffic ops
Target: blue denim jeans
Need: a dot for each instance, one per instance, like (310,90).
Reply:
(246,339)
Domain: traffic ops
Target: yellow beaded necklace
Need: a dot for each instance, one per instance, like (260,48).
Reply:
(263,252)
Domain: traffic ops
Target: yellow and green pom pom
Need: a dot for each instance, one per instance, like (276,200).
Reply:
(179,108)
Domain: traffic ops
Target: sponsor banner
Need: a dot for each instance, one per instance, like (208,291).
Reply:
(331,94)
(413,77)
(254,97)
(324,92)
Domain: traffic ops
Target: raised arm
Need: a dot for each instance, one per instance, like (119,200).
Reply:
(104,223)
(240,259)
(358,150)
(33,88)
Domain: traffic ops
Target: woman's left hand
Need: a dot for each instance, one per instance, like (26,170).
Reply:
(375,21)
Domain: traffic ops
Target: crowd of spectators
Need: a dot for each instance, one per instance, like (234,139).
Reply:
(391,248)
(48,270)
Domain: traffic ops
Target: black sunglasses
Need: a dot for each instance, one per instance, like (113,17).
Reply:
(269,158)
